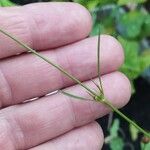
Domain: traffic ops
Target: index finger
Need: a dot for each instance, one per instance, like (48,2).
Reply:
(43,26)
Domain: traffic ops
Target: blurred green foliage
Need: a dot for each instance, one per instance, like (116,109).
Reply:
(145,146)
(6,3)
(129,22)
(92,4)
(134,132)
(115,141)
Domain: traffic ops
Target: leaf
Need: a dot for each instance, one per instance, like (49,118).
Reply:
(105,19)
(96,29)
(130,24)
(131,66)
(125,2)
(134,132)
(6,3)
(114,128)
(135,63)
(145,60)
(145,146)
(73,96)
(98,87)
(91,4)
(98,63)
(146,26)
(116,144)
(132,87)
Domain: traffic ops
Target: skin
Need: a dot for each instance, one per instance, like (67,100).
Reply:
(57,122)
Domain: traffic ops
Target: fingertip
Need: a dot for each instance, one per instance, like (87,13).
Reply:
(116,47)
(125,88)
(94,135)
(84,19)
(120,85)
(99,136)
(69,20)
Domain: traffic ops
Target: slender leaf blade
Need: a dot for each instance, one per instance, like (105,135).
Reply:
(98,63)
(73,96)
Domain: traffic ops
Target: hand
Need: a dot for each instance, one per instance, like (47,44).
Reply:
(54,122)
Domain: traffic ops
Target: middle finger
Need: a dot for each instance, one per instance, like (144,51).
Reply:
(26,76)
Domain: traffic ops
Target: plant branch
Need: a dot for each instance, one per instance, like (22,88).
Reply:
(47,60)
(98,98)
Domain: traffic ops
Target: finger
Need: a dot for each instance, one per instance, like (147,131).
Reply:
(43,26)
(89,137)
(28,76)
(36,122)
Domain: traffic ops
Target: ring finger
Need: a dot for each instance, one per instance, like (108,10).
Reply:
(27,125)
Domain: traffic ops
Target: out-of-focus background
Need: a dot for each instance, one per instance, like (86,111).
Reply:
(129,22)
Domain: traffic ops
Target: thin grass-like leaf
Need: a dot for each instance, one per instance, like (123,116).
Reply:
(98,63)
(74,96)
(96,85)
(93,96)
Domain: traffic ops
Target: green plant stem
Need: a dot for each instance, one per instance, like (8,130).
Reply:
(47,60)
(106,102)
(99,98)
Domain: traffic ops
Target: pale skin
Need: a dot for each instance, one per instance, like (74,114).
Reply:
(55,122)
